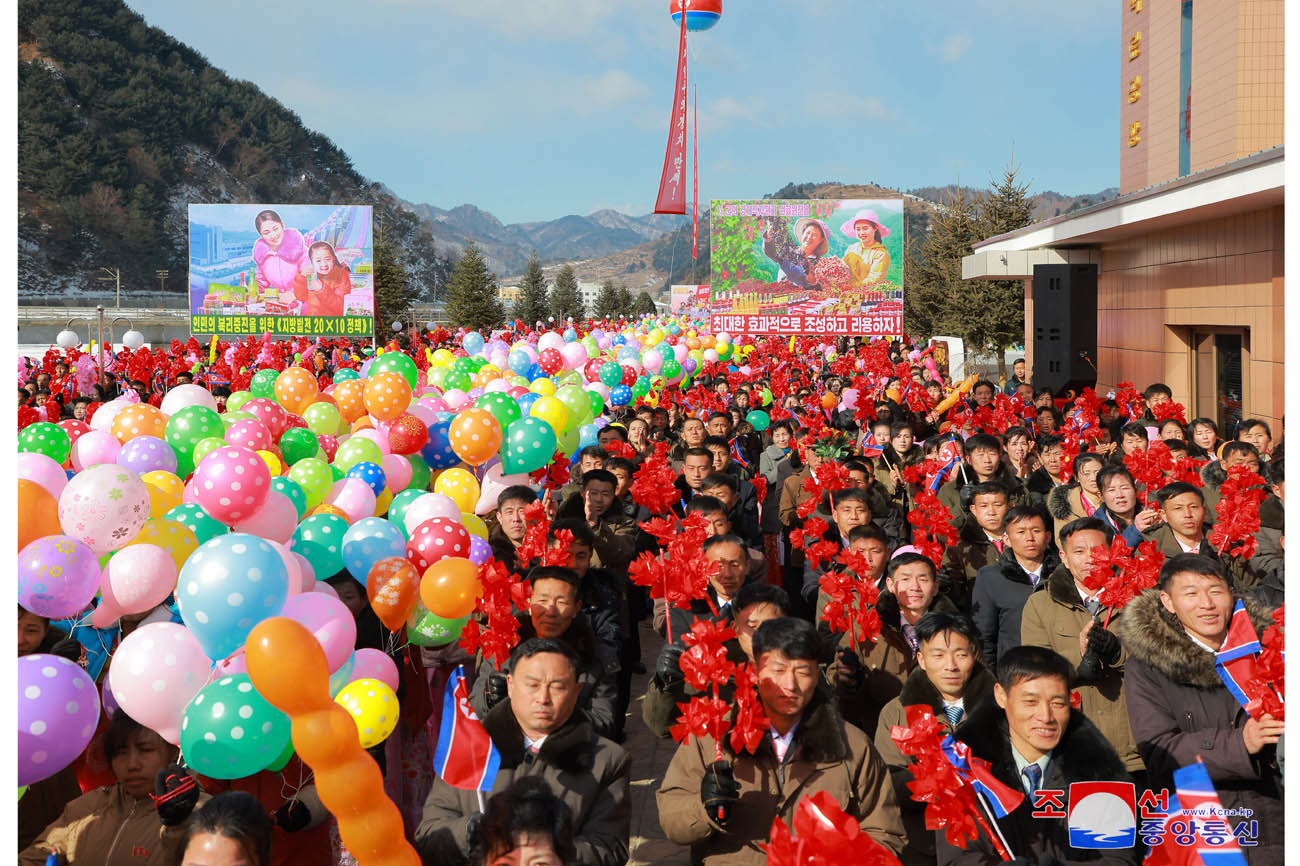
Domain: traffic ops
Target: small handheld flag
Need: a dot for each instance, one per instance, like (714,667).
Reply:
(465,757)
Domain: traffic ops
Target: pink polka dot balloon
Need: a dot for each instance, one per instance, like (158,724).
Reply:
(156,671)
(436,539)
(58,711)
(94,448)
(353,496)
(270,413)
(40,468)
(231,483)
(251,434)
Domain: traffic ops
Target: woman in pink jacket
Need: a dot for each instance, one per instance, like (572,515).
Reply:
(280,253)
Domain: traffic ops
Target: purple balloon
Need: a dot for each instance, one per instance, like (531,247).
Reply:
(479,550)
(58,710)
(147,454)
(57,576)
(108,699)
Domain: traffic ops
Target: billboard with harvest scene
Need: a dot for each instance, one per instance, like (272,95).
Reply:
(822,266)
(286,269)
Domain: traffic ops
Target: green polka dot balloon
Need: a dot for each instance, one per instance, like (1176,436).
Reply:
(293,490)
(229,731)
(319,540)
(192,516)
(46,438)
(315,477)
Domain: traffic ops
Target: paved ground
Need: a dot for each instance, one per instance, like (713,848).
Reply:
(650,757)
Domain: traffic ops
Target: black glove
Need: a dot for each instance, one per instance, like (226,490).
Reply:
(1090,668)
(668,670)
(1105,644)
(719,792)
(851,669)
(471,828)
(175,794)
(496,691)
(293,816)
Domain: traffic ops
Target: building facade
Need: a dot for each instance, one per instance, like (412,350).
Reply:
(1189,259)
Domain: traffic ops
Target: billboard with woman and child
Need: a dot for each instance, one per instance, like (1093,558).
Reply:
(287,270)
(832,266)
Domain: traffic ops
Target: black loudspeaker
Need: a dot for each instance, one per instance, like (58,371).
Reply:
(1065,327)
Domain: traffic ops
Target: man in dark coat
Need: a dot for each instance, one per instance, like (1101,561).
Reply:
(948,679)
(1001,589)
(538,733)
(1034,741)
(1180,710)
(508,533)
(980,542)
(1184,530)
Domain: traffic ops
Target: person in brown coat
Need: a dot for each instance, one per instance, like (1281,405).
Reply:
(1034,741)
(723,808)
(1068,618)
(948,679)
(538,733)
(1180,710)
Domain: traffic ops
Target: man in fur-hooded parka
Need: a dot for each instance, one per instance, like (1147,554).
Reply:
(1180,710)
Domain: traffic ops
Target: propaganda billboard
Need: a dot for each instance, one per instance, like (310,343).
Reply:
(289,270)
(690,301)
(832,266)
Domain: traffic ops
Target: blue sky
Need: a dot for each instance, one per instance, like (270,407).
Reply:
(533,109)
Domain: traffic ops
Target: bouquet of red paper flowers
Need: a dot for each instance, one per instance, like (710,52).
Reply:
(1123,576)
(824,834)
(1240,497)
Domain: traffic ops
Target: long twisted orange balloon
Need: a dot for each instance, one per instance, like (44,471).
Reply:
(288,668)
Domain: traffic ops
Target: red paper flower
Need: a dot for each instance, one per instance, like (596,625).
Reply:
(1150,468)
(950,800)
(705,662)
(1240,497)
(654,484)
(1122,576)
(824,834)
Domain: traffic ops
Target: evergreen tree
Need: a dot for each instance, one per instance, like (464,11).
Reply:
(937,301)
(393,295)
(1000,304)
(644,304)
(607,301)
(533,305)
(566,301)
(472,299)
(625,302)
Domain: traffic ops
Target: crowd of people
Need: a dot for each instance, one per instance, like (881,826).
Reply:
(970,521)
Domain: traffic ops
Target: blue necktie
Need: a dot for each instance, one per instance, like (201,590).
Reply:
(1034,774)
(954,714)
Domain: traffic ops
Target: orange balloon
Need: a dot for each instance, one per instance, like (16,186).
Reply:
(288,668)
(475,436)
(362,423)
(328,509)
(38,513)
(829,401)
(387,395)
(322,397)
(450,587)
(295,389)
(139,420)
(350,397)
(393,586)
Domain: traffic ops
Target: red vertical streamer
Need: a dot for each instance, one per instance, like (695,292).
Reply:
(695,178)
(672,190)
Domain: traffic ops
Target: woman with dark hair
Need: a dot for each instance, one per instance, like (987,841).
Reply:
(524,825)
(280,254)
(1204,438)
(232,829)
(1171,429)
(123,824)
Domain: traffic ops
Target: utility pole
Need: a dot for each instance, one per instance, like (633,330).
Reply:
(114,276)
(162,280)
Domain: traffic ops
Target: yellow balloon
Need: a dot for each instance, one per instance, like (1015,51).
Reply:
(372,706)
(474,525)
(552,411)
(443,358)
(165,491)
(460,485)
(382,501)
(542,385)
(272,462)
(172,536)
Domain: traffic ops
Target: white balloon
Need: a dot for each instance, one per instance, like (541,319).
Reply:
(182,396)
(427,507)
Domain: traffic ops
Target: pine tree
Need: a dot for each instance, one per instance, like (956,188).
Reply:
(1000,304)
(607,301)
(644,304)
(937,301)
(566,301)
(533,306)
(472,298)
(625,302)
(393,294)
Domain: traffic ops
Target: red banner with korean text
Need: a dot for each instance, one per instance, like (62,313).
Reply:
(672,181)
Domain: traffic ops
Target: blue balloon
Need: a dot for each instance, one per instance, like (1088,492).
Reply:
(570,335)
(371,473)
(620,395)
(534,372)
(367,541)
(526,402)
(519,362)
(473,343)
(620,340)
(227,586)
(437,452)
(587,436)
